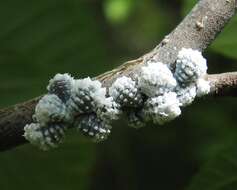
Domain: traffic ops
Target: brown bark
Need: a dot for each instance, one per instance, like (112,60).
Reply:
(224,84)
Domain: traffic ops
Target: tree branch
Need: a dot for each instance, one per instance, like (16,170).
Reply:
(196,31)
(224,84)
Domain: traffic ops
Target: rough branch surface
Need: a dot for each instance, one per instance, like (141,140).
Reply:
(196,31)
(224,84)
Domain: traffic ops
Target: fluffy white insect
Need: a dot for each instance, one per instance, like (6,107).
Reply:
(34,135)
(156,79)
(186,95)
(109,111)
(203,87)
(91,126)
(50,109)
(163,108)
(61,85)
(190,65)
(87,96)
(44,137)
(125,92)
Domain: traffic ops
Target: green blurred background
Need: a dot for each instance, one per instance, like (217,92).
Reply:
(197,151)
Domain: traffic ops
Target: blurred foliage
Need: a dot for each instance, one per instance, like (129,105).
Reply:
(41,38)
(129,33)
(64,168)
(226,42)
(117,11)
(219,172)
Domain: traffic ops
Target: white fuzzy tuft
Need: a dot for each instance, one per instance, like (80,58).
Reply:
(162,109)
(45,137)
(125,92)
(156,79)
(50,109)
(97,92)
(190,66)
(60,77)
(109,111)
(186,95)
(121,84)
(61,85)
(203,87)
(34,135)
(90,89)
(89,96)
(91,126)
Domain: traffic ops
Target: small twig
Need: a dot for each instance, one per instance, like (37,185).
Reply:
(224,84)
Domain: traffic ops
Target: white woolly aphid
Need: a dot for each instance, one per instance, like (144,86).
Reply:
(92,126)
(203,87)
(45,137)
(35,136)
(190,65)
(109,111)
(163,108)
(50,109)
(125,92)
(87,95)
(94,87)
(156,79)
(61,85)
(186,95)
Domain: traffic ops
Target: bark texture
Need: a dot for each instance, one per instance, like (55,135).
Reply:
(224,84)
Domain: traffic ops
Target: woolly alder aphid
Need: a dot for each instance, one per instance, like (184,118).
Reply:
(162,109)
(50,109)
(156,94)
(93,127)
(126,93)
(45,137)
(156,79)
(61,85)
(190,65)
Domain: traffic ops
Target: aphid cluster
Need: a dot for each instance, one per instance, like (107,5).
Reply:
(125,92)
(67,100)
(156,94)
(51,116)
